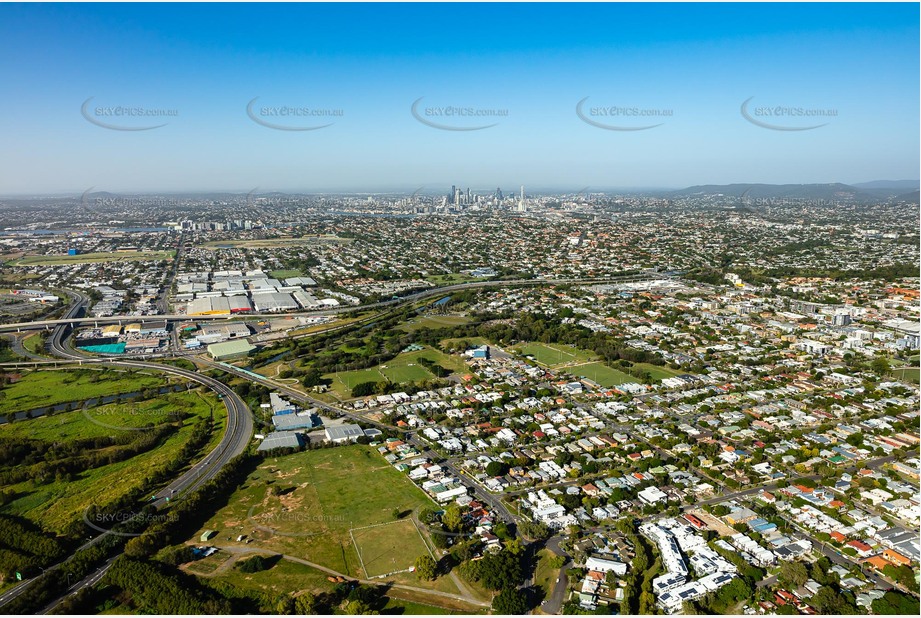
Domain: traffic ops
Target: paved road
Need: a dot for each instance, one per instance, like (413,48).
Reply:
(554,603)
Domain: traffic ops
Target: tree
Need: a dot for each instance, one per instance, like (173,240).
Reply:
(903,574)
(880,365)
(510,602)
(496,468)
(253,565)
(427,515)
(306,604)
(452,518)
(793,574)
(426,567)
(896,603)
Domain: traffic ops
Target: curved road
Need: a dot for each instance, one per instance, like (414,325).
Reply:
(235,440)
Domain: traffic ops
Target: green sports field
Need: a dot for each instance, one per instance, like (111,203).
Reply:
(389,548)
(402,369)
(602,374)
(555,355)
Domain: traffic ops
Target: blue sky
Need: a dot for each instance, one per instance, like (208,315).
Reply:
(698,62)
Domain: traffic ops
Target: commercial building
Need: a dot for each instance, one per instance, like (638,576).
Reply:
(294,422)
(273,302)
(281,439)
(238,348)
(343,433)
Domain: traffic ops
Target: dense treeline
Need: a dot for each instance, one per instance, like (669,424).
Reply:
(191,512)
(154,588)
(768,276)
(24,548)
(53,583)
(44,462)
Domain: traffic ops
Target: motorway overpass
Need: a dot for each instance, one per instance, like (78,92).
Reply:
(70,318)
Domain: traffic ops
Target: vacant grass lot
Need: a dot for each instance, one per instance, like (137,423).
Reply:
(657,372)
(34,343)
(304,504)
(389,548)
(457,342)
(103,420)
(56,504)
(289,577)
(545,575)
(453,278)
(91,258)
(284,274)
(47,388)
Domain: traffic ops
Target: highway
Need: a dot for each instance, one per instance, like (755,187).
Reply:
(235,440)
(408,299)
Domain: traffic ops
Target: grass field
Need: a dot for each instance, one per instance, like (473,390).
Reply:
(34,343)
(556,354)
(389,548)
(456,342)
(305,504)
(586,364)
(47,388)
(434,322)
(545,575)
(910,374)
(284,274)
(100,421)
(602,374)
(410,608)
(290,577)
(57,503)
(91,258)
(657,372)
(452,278)
(402,369)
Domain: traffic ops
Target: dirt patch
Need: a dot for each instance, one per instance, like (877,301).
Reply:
(713,523)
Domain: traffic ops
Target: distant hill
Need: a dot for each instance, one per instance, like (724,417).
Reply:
(830,192)
(899,185)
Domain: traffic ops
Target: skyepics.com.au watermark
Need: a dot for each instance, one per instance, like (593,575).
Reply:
(456,117)
(125,117)
(120,413)
(621,117)
(790,201)
(118,522)
(270,522)
(273,199)
(291,117)
(786,117)
(103,199)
